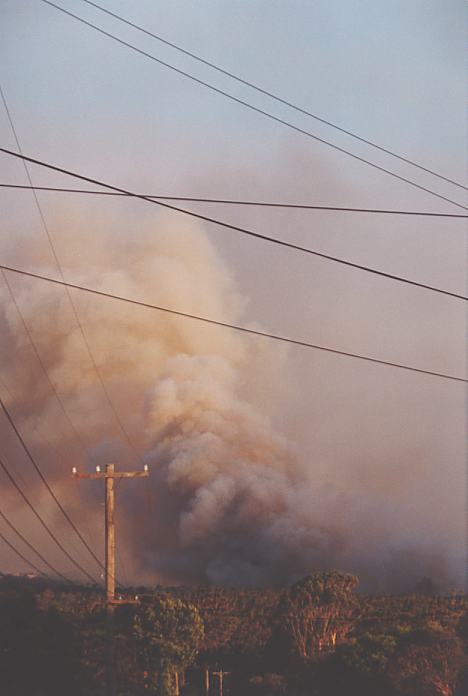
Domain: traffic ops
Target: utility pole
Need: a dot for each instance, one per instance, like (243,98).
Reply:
(221,674)
(109,475)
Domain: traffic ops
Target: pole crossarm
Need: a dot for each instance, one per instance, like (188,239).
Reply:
(109,474)
(106,474)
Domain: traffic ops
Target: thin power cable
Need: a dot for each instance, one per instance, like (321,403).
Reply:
(62,407)
(23,558)
(70,299)
(46,439)
(53,388)
(258,110)
(31,547)
(236,327)
(236,228)
(51,492)
(119,583)
(233,202)
(18,488)
(41,363)
(58,453)
(274,96)
(42,521)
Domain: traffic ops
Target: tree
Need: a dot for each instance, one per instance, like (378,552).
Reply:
(360,667)
(39,653)
(430,664)
(168,634)
(269,684)
(426,586)
(317,612)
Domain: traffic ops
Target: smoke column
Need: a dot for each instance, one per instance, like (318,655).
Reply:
(230,499)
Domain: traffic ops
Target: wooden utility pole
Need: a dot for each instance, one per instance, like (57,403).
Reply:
(221,674)
(109,475)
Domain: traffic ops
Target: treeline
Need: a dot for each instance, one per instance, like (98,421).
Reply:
(316,637)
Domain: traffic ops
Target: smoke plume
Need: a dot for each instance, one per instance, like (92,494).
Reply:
(231,499)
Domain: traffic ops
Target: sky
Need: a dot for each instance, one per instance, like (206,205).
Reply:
(393,72)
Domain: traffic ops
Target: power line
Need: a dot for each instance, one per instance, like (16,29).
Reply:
(70,299)
(236,327)
(236,228)
(51,444)
(274,96)
(59,400)
(50,490)
(31,506)
(41,362)
(23,558)
(46,229)
(25,541)
(230,201)
(269,115)
(33,509)
(31,547)
(62,407)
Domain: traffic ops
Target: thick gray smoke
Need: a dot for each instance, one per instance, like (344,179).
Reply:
(241,507)
(230,499)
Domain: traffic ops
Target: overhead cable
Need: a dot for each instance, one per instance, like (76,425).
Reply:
(23,558)
(32,548)
(263,112)
(41,520)
(78,322)
(236,327)
(63,409)
(236,228)
(41,362)
(234,202)
(50,490)
(274,96)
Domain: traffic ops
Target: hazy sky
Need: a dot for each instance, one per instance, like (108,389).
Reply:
(392,71)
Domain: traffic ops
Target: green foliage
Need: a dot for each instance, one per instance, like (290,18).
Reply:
(428,662)
(370,654)
(424,660)
(270,684)
(38,652)
(462,628)
(52,641)
(323,588)
(168,633)
(317,613)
